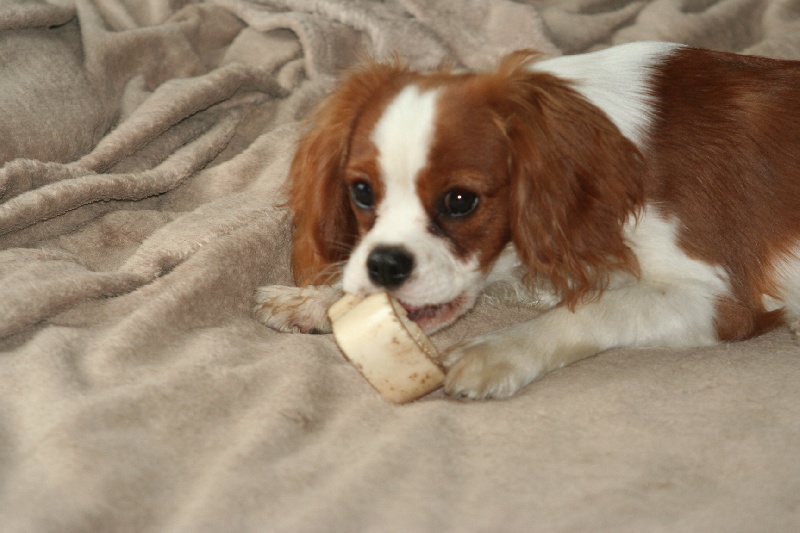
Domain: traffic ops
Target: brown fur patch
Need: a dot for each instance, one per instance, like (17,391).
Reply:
(724,159)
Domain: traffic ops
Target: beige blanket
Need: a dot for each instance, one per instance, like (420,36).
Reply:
(144,144)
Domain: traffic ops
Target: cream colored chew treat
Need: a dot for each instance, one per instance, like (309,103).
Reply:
(389,349)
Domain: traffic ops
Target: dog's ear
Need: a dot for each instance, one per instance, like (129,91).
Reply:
(324,224)
(575,181)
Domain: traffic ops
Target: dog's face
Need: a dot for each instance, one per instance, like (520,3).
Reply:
(415,184)
(427,180)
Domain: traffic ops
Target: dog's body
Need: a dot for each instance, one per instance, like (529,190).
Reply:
(644,195)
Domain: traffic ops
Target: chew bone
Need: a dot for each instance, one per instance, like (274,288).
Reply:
(390,350)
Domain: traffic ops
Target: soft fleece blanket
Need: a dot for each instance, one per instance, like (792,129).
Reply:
(143,147)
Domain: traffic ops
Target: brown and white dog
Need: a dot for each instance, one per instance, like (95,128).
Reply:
(647,194)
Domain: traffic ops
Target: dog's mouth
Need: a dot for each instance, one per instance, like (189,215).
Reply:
(434,317)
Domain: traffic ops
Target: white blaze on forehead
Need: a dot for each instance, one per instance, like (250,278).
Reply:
(403,135)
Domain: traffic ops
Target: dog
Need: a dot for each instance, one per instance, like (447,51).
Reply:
(645,195)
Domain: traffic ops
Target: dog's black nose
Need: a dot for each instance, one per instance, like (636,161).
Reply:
(389,266)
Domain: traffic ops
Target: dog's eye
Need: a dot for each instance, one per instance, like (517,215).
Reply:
(362,194)
(458,203)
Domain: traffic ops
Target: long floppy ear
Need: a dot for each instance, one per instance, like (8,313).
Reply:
(324,225)
(575,181)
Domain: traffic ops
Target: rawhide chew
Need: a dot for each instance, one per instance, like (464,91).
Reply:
(390,350)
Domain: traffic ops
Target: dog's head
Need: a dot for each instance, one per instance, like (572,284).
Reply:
(415,183)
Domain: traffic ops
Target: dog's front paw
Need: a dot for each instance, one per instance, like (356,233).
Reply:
(488,367)
(295,309)
(794,327)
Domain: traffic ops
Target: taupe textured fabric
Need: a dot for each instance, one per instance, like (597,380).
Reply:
(143,149)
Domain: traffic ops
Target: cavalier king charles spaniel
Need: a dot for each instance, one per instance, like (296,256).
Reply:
(646,195)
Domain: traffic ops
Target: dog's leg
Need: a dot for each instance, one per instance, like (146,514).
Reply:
(642,314)
(296,309)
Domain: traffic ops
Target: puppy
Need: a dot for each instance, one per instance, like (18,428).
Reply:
(643,195)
